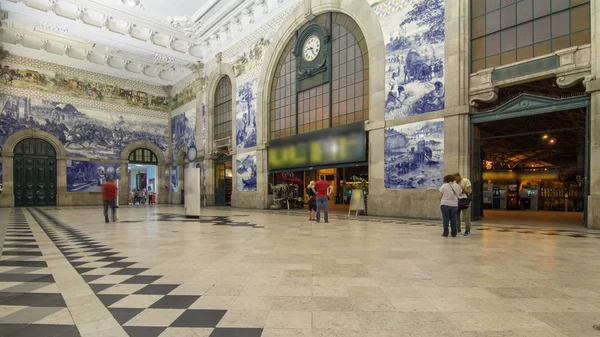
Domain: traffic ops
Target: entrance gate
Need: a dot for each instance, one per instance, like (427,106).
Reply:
(34,173)
(522,106)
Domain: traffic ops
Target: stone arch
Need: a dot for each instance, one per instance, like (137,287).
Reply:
(363,15)
(224,69)
(143,144)
(15,138)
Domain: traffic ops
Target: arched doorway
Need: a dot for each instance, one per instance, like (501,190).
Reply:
(222,135)
(319,95)
(142,170)
(34,173)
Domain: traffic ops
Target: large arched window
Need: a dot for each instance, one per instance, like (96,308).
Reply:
(223,109)
(143,156)
(344,100)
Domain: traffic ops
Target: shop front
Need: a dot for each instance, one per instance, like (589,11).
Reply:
(338,154)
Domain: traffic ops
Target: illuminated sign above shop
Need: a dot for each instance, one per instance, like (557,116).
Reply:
(341,145)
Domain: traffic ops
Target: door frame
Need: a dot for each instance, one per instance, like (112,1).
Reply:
(7,197)
(222,159)
(529,105)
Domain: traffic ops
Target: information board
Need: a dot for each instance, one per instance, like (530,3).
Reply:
(357,202)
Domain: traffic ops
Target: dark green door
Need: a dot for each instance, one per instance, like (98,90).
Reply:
(34,173)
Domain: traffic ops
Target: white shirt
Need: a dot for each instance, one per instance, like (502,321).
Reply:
(448,197)
(464,184)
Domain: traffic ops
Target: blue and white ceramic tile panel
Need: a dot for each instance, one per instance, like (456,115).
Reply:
(167,179)
(183,131)
(174,179)
(85,132)
(245,167)
(1,186)
(414,74)
(87,176)
(247,69)
(245,116)
(414,155)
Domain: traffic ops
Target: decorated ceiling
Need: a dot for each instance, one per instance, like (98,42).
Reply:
(154,41)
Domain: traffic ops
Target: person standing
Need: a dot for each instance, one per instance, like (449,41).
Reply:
(109,196)
(323,189)
(311,196)
(449,204)
(464,214)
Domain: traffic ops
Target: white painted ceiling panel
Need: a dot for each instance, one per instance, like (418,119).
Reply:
(152,40)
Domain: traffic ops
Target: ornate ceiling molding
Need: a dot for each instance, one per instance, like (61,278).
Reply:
(157,69)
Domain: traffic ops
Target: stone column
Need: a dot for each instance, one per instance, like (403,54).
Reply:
(7,197)
(593,88)
(457,123)
(124,184)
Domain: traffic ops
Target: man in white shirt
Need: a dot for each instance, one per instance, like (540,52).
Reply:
(465,214)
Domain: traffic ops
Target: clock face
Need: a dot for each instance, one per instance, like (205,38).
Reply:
(311,48)
(192,153)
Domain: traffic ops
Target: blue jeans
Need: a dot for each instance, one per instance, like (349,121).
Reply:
(322,202)
(449,214)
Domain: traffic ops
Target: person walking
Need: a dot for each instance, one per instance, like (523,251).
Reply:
(323,189)
(109,196)
(449,204)
(464,214)
(311,196)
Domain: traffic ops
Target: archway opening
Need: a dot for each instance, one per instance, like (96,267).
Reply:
(223,110)
(34,173)
(142,168)
(530,157)
(319,100)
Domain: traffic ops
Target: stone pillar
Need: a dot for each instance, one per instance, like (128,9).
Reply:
(7,197)
(124,184)
(457,124)
(593,88)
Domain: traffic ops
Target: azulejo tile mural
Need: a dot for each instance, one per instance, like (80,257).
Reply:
(415,35)
(62,84)
(183,97)
(245,166)
(183,131)
(84,132)
(174,179)
(245,116)
(86,176)
(414,155)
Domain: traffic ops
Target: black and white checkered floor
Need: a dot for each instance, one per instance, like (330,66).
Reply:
(63,272)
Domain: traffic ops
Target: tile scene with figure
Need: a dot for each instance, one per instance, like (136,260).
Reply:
(86,176)
(414,155)
(246,171)
(414,56)
(84,132)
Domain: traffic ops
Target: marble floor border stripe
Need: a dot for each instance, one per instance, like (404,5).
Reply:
(78,296)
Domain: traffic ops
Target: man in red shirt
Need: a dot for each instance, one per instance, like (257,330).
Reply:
(109,196)
(323,189)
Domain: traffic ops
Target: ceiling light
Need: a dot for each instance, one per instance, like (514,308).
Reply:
(131,3)
(545,137)
(552,141)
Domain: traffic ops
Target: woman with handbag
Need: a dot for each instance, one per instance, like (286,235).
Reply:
(449,193)
(311,196)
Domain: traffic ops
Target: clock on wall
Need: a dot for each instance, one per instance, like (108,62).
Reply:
(312,53)
(192,153)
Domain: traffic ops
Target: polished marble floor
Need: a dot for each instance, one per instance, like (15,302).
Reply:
(64,272)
